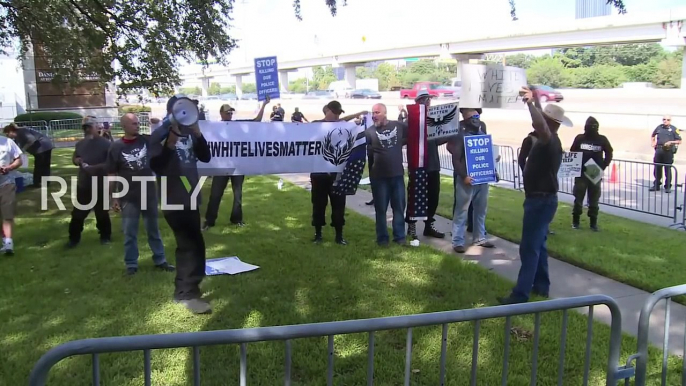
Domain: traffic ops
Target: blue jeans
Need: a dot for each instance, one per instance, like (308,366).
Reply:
(477,195)
(533,252)
(131,213)
(389,190)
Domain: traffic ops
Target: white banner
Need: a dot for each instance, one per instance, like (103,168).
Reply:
(491,86)
(254,148)
(571,165)
(443,121)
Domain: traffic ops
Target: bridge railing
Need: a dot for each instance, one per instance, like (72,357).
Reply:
(286,334)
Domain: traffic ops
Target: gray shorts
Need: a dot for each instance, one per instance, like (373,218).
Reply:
(8,201)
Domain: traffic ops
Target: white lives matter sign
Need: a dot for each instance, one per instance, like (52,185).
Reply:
(571,165)
(492,86)
(255,148)
(442,121)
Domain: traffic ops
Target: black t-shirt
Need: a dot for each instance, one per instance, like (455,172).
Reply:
(129,159)
(94,152)
(540,171)
(297,117)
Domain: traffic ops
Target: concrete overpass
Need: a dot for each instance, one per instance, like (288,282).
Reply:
(469,44)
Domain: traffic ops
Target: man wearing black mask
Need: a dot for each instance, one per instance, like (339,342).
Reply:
(597,148)
(471,123)
(177,162)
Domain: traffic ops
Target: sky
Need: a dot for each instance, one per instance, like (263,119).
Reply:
(269,27)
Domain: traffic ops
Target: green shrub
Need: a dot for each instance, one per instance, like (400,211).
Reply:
(123,109)
(47,116)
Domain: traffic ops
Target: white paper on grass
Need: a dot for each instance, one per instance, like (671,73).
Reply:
(593,172)
(227,266)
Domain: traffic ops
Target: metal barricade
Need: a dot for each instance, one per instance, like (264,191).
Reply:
(286,334)
(626,185)
(506,165)
(641,357)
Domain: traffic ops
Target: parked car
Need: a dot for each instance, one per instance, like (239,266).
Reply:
(547,93)
(365,94)
(249,96)
(321,94)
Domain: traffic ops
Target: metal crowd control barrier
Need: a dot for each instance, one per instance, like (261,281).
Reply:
(146,343)
(641,357)
(626,185)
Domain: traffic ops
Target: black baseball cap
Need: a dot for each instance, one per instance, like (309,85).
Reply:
(335,107)
(170,103)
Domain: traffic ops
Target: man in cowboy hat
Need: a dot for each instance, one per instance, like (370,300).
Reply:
(540,204)
(433,190)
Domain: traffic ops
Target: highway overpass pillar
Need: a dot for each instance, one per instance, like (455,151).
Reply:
(465,59)
(239,86)
(351,75)
(205,85)
(283,81)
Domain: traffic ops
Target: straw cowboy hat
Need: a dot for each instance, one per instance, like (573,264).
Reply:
(557,114)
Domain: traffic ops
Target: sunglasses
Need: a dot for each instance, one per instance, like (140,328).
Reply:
(665,120)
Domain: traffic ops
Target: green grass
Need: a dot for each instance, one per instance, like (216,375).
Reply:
(645,256)
(51,296)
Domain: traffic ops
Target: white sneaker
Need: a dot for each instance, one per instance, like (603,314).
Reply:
(8,248)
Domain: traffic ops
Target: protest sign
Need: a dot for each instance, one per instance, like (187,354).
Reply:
(443,121)
(571,165)
(593,171)
(491,86)
(256,148)
(267,78)
(479,156)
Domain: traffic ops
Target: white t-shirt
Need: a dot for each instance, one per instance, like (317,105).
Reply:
(9,151)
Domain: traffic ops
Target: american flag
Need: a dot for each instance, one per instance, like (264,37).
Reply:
(347,181)
(417,158)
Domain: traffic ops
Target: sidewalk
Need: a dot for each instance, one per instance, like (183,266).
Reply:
(567,280)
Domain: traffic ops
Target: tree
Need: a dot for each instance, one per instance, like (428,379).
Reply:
(322,77)
(214,89)
(548,71)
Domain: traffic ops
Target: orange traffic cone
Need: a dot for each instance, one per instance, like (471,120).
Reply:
(614,175)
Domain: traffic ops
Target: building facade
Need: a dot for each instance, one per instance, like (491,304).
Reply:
(592,8)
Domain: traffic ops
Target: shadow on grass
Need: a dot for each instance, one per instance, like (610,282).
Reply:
(53,296)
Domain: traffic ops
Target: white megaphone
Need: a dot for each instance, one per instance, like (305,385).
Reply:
(183,112)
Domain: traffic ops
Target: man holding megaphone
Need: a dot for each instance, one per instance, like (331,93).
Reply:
(183,145)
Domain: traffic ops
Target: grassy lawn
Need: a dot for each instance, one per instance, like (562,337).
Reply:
(51,296)
(639,254)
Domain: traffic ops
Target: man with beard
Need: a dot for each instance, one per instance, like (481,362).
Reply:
(322,190)
(385,141)
(433,168)
(466,193)
(540,203)
(90,155)
(594,147)
(129,157)
(176,163)
(219,183)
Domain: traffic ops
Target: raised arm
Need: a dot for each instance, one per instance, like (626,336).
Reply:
(538,121)
(353,116)
(259,116)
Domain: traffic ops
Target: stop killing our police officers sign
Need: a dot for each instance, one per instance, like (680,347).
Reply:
(267,78)
(480,158)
